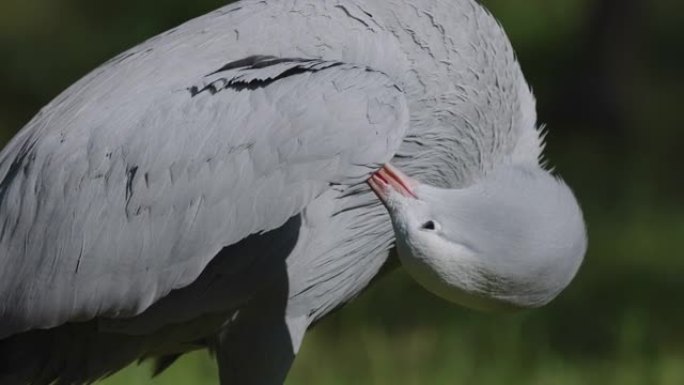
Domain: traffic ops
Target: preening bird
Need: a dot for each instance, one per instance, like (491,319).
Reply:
(229,182)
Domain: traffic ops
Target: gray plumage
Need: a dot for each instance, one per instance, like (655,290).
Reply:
(206,188)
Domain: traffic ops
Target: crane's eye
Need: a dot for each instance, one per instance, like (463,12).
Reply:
(429,226)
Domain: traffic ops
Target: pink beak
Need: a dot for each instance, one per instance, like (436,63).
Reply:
(389,177)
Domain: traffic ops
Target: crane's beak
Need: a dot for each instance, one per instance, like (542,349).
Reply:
(388,179)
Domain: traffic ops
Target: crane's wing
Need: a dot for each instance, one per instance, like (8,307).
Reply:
(107,203)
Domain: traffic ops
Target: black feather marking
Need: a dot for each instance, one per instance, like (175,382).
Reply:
(130,175)
(255,84)
(78,262)
(249,61)
(346,12)
(257,62)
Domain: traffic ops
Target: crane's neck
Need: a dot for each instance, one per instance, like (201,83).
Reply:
(471,106)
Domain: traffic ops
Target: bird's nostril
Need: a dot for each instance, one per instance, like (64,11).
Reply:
(429,225)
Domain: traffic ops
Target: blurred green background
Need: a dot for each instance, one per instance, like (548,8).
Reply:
(608,75)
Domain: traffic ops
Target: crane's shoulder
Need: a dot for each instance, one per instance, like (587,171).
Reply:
(107,217)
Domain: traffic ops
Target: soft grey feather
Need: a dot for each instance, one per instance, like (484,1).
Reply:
(147,211)
(125,186)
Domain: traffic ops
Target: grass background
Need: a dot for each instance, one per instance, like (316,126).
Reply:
(608,76)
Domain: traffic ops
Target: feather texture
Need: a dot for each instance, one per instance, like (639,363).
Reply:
(142,213)
(257,120)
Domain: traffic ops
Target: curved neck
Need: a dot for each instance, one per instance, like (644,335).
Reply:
(471,106)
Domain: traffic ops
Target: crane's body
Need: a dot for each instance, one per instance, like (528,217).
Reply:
(206,188)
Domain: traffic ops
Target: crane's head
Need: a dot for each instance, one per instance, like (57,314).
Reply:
(513,239)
